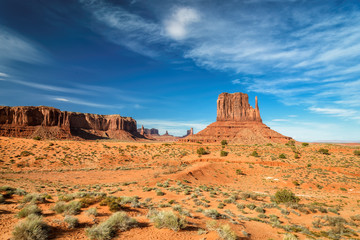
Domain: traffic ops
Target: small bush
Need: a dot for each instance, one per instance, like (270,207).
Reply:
(255,154)
(212,213)
(289,236)
(2,198)
(71,221)
(224,142)
(167,219)
(357,152)
(282,156)
(324,151)
(239,172)
(285,196)
(225,232)
(72,208)
(201,151)
(35,197)
(304,144)
(28,210)
(106,230)
(223,153)
(32,228)
(92,212)
(37,138)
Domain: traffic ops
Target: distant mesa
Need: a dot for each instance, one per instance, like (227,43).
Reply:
(153,134)
(145,131)
(51,123)
(237,122)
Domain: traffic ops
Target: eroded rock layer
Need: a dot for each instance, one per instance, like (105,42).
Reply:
(237,122)
(49,122)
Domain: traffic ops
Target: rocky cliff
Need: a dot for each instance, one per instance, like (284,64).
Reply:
(237,122)
(49,122)
(146,131)
(236,107)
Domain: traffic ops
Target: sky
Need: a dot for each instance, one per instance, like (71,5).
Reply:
(164,63)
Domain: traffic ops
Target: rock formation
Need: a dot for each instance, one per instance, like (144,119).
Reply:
(152,131)
(237,122)
(49,122)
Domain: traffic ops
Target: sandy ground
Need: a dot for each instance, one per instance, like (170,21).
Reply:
(238,186)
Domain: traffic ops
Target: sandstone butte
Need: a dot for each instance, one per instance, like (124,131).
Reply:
(49,122)
(237,122)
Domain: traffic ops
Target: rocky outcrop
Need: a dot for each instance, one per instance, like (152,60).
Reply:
(237,122)
(49,122)
(146,131)
(236,107)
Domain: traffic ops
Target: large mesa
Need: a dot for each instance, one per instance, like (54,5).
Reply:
(49,122)
(237,122)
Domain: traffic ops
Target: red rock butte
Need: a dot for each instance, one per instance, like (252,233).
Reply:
(237,122)
(49,122)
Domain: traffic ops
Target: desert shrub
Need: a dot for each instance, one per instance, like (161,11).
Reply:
(225,232)
(239,172)
(357,152)
(35,197)
(32,228)
(223,153)
(289,236)
(167,219)
(201,151)
(106,230)
(92,212)
(37,138)
(159,193)
(296,156)
(2,198)
(88,201)
(324,151)
(251,206)
(71,221)
(259,210)
(212,213)
(355,217)
(224,142)
(255,154)
(285,196)
(282,156)
(113,203)
(28,210)
(72,208)
(304,144)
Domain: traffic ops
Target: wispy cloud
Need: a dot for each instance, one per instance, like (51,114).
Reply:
(84,103)
(236,81)
(335,111)
(16,47)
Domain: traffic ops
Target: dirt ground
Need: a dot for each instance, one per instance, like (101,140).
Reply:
(240,187)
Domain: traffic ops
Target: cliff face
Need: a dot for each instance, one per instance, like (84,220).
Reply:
(236,107)
(237,122)
(146,131)
(24,121)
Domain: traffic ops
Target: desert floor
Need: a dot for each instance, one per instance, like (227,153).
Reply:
(209,191)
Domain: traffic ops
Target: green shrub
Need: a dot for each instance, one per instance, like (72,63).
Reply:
(224,142)
(28,210)
(212,213)
(201,151)
(2,198)
(223,153)
(282,156)
(225,232)
(32,228)
(167,219)
(304,144)
(290,143)
(289,236)
(239,172)
(37,138)
(285,196)
(92,212)
(106,230)
(35,197)
(71,221)
(357,152)
(255,154)
(72,208)
(324,151)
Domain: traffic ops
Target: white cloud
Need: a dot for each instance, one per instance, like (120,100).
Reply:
(176,26)
(3,74)
(16,47)
(61,99)
(335,111)
(84,102)
(236,81)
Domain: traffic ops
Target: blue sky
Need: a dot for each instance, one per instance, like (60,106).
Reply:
(165,62)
